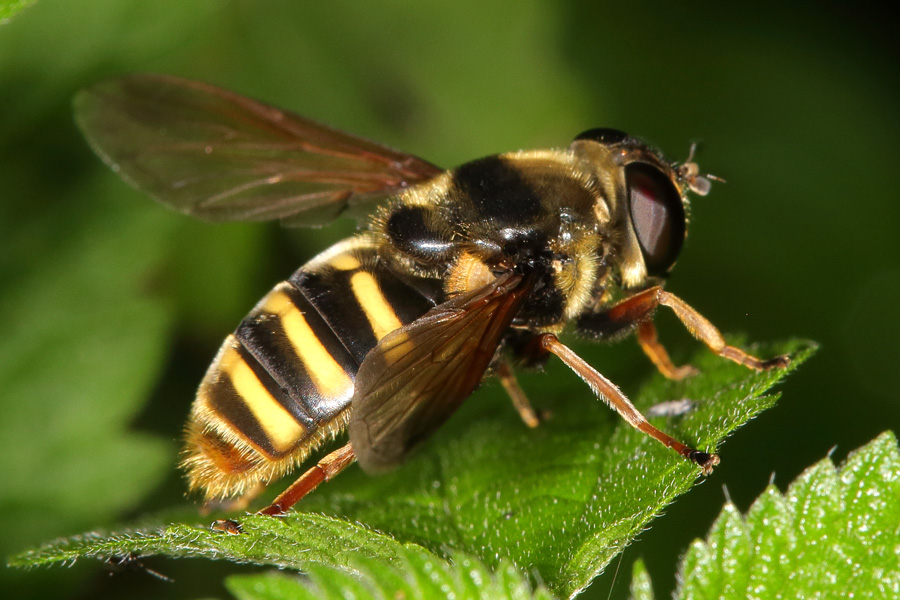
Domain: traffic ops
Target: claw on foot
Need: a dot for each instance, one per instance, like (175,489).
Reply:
(705,460)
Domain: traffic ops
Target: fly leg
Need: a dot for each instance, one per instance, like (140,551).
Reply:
(657,354)
(638,310)
(325,470)
(614,397)
(707,333)
(508,380)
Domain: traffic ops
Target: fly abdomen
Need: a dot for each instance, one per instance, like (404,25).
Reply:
(282,382)
(292,341)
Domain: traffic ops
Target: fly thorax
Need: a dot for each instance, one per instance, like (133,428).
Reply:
(419,233)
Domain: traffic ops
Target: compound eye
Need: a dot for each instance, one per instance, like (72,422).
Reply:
(658,216)
(604,135)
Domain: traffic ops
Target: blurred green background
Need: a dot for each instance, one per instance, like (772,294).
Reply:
(112,306)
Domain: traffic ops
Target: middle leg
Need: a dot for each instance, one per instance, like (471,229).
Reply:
(613,396)
(508,380)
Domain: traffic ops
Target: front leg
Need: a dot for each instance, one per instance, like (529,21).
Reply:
(656,352)
(638,311)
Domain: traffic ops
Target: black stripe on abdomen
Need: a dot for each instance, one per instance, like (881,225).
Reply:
(361,305)
(239,391)
(289,338)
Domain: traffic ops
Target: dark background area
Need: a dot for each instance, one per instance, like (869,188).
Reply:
(113,307)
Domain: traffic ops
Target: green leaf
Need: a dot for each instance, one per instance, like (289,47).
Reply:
(10,7)
(83,343)
(80,351)
(641,589)
(833,534)
(416,574)
(558,502)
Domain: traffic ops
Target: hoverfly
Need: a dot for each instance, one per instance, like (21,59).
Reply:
(453,275)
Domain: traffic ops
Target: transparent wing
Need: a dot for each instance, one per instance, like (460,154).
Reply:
(419,374)
(219,156)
